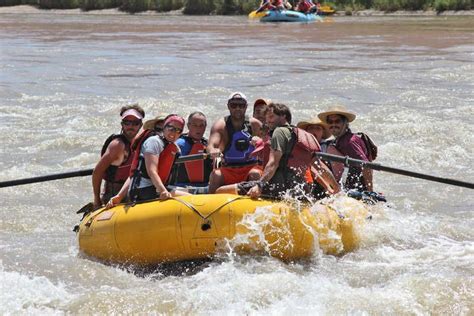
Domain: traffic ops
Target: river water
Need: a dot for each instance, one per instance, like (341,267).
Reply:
(63,78)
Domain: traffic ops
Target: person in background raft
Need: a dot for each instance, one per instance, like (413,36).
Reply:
(305,6)
(156,124)
(231,137)
(348,144)
(194,174)
(116,156)
(292,152)
(152,164)
(273,5)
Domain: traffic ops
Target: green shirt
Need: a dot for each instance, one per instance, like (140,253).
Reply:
(280,141)
(281,138)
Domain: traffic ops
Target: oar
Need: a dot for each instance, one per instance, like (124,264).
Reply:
(256,14)
(375,166)
(82,173)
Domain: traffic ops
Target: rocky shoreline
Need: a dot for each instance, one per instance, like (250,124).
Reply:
(28,9)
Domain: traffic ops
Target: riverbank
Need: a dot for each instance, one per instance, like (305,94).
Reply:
(24,9)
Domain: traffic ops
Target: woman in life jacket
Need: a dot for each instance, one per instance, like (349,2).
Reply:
(152,165)
(320,131)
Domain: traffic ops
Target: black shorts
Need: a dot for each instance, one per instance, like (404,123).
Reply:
(268,190)
(147,193)
(244,187)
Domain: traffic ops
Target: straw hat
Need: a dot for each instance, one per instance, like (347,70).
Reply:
(337,109)
(150,124)
(315,121)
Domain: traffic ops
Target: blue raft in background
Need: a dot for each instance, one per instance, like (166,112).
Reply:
(289,16)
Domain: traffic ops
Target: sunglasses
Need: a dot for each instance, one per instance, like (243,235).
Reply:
(238,105)
(173,129)
(338,121)
(131,123)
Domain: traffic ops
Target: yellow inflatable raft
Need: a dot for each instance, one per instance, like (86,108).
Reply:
(199,226)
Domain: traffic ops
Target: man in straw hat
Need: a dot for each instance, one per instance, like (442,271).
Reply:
(349,144)
(116,156)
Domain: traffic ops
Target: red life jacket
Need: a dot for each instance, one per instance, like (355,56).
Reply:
(118,174)
(195,169)
(304,6)
(165,162)
(304,146)
(262,150)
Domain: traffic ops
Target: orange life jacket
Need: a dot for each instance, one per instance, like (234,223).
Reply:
(195,173)
(308,176)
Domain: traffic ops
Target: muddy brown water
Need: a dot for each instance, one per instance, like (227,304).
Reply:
(63,78)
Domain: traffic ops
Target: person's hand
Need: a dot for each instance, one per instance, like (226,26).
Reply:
(215,153)
(335,190)
(256,141)
(97,203)
(165,195)
(113,201)
(254,192)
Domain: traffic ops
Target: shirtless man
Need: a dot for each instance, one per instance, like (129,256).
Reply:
(116,156)
(231,138)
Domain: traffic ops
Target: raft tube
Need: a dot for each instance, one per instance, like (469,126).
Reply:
(200,226)
(288,16)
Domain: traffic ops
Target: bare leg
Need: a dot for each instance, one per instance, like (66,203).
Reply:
(179,193)
(230,188)
(216,179)
(254,174)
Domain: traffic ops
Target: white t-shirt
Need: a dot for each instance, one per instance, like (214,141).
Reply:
(153,145)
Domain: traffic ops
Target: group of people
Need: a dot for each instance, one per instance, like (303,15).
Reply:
(303,6)
(261,156)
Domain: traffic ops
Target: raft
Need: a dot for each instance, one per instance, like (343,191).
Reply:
(288,16)
(201,226)
(326,10)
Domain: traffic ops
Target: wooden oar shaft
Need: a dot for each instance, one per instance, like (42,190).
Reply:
(375,166)
(81,173)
